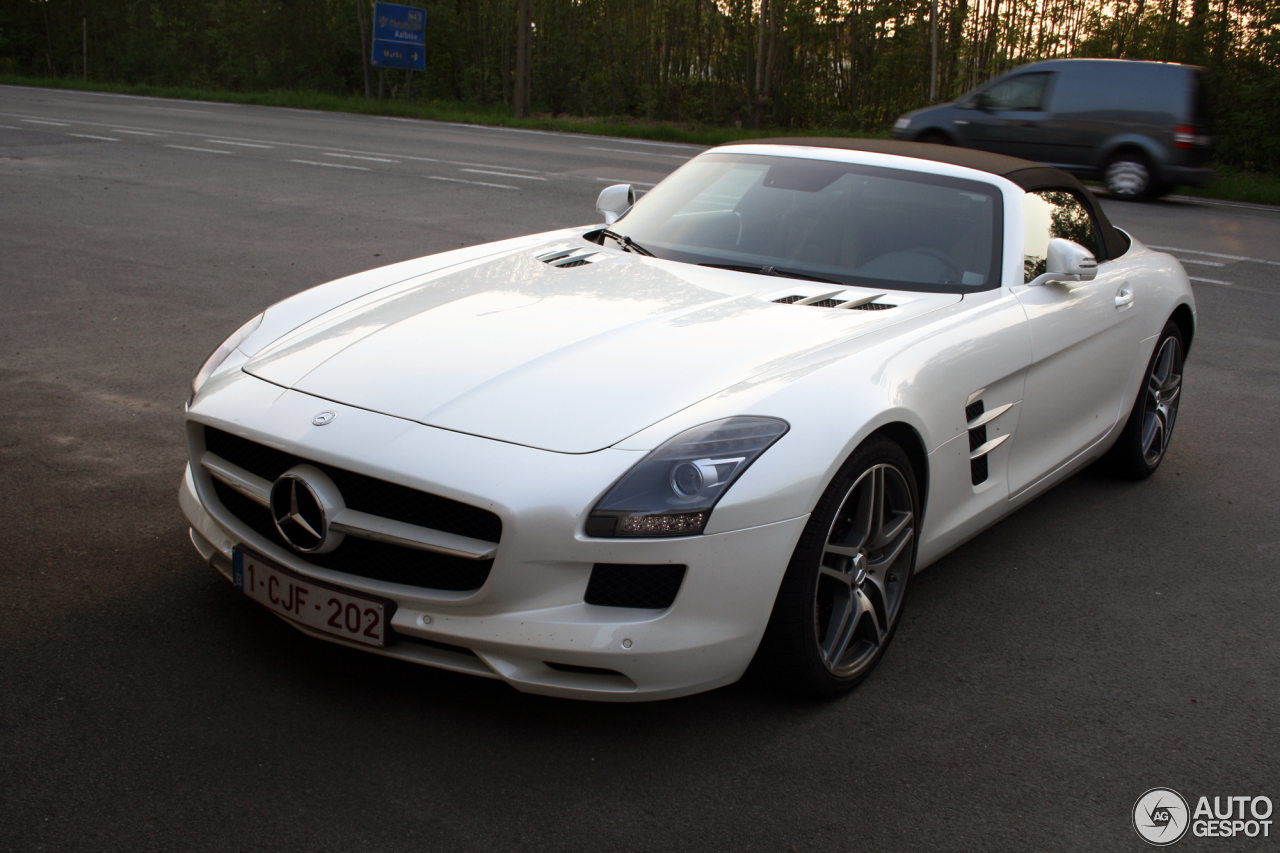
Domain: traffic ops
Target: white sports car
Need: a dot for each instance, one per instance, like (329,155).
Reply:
(623,462)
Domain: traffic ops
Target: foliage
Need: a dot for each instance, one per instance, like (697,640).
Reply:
(851,65)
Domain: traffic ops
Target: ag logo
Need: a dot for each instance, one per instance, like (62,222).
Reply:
(1160,816)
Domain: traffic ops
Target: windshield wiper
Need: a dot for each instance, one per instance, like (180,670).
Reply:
(771,270)
(628,244)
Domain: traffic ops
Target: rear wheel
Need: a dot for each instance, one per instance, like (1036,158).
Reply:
(842,595)
(1128,176)
(1142,446)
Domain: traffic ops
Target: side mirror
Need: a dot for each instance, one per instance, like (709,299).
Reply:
(1066,261)
(615,201)
(983,102)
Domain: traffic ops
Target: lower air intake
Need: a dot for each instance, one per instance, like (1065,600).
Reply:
(646,587)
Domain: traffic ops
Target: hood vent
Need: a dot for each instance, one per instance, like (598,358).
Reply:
(565,257)
(836,299)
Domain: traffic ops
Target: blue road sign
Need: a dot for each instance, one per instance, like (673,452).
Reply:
(399,37)
(394,54)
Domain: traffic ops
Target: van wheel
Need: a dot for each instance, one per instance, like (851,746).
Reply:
(1128,176)
(933,137)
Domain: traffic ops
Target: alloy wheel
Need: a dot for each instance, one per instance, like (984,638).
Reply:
(864,570)
(1160,409)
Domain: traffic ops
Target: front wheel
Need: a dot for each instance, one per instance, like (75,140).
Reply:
(1145,440)
(841,597)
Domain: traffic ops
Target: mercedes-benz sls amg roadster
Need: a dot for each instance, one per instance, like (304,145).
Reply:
(722,429)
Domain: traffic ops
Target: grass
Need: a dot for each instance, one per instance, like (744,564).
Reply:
(1239,186)
(497,115)
(1229,185)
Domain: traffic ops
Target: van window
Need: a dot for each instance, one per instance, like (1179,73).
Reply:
(1053,213)
(1023,92)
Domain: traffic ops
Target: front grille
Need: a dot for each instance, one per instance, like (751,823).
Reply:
(364,557)
(359,492)
(646,587)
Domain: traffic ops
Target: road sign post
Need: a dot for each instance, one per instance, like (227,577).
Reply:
(399,37)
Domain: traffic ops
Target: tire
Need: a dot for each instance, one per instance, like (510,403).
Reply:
(934,137)
(1145,440)
(841,598)
(1129,176)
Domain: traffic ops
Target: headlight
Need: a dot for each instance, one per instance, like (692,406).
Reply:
(672,490)
(220,354)
(902,124)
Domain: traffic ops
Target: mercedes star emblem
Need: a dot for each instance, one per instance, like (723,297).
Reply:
(303,501)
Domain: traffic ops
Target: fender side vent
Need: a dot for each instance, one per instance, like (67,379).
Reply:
(978,468)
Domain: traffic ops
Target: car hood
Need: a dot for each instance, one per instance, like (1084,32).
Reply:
(565,359)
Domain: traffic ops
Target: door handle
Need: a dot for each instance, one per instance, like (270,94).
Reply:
(1124,296)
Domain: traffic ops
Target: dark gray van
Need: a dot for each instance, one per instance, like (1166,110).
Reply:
(1141,127)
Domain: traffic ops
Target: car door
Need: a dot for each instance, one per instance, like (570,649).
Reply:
(1009,114)
(1084,342)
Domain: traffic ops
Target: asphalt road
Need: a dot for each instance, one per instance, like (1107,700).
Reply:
(1107,639)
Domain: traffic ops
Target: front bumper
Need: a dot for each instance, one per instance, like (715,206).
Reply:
(530,611)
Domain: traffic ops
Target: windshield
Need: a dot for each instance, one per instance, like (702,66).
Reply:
(839,222)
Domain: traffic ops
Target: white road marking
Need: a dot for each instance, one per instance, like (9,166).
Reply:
(563,135)
(642,153)
(1216,255)
(331,165)
(11,127)
(473,183)
(359,157)
(251,142)
(91,136)
(205,150)
(134,97)
(38,121)
(502,174)
(487,166)
(1202,263)
(179,109)
(625,181)
(241,144)
(1211,281)
(1217,202)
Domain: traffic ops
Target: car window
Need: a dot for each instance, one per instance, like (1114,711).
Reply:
(1053,213)
(1023,92)
(831,221)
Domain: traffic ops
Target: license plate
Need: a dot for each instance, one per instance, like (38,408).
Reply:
(320,606)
